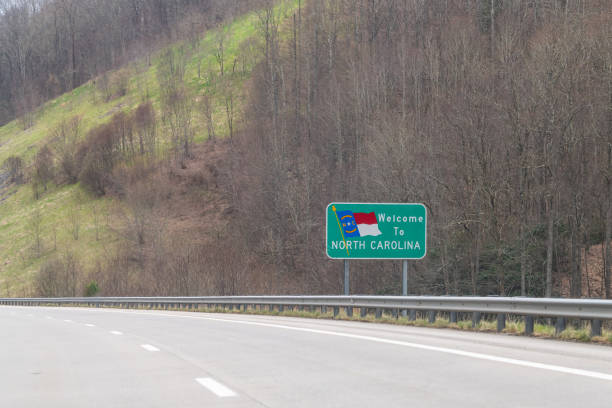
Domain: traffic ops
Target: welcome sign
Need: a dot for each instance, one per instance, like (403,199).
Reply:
(376,231)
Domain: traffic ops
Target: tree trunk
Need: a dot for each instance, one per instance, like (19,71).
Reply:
(492,27)
(476,262)
(607,261)
(549,247)
(445,274)
(523,261)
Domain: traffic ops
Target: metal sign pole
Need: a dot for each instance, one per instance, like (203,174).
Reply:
(404,283)
(405,277)
(346,277)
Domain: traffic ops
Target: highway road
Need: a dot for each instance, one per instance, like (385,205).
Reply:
(78,357)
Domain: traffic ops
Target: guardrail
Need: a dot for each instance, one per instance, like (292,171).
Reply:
(561,309)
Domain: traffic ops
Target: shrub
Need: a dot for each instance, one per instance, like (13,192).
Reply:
(97,156)
(64,141)
(119,84)
(145,124)
(91,289)
(43,168)
(13,165)
(58,276)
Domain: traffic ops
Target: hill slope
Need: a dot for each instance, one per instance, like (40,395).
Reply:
(69,220)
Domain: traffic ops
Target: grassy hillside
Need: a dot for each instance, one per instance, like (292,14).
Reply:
(63,209)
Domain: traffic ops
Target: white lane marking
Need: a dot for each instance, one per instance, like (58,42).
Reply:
(90,325)
(49,317)
(116,333)
(30,315)
(469,354)
(479,356)
(216,387)
(68,321)
(149,347)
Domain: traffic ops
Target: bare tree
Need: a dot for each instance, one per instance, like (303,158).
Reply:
(13,165)
(177,103)
(64,139)
(35,226)
(74,219)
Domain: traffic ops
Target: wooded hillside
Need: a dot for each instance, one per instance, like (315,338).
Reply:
(52,46)
(496,114)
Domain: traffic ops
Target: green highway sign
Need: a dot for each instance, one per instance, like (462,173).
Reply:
(376,231)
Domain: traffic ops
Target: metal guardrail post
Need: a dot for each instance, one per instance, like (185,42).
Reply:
(595,328)
(501,321)
(363,312)
(432,316)
(412,315)
(336,311)
(453,317)
(528,325)
(378,313)
(560,325)
(475,319)
(349,311)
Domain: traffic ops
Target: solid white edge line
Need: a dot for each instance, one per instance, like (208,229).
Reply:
(216,387)
(469,354)
(90,325)
(479,356)
(68,320)
(115,332)
(149,347)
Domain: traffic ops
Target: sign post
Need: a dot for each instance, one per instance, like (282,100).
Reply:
(404,283)
(346,277)
(376,231)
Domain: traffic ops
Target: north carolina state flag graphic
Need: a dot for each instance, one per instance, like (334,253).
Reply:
(358,224)
(367,224)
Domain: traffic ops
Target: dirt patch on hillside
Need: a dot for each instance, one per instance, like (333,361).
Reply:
(592,269)
(187,202)
(197,205)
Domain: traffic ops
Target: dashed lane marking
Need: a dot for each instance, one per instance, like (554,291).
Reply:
(216,387)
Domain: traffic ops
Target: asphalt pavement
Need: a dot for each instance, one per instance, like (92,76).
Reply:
(79,357)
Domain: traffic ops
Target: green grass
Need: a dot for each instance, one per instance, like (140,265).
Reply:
(543,330)
(18,264)
(581,334)
(514,326)
(57,207)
